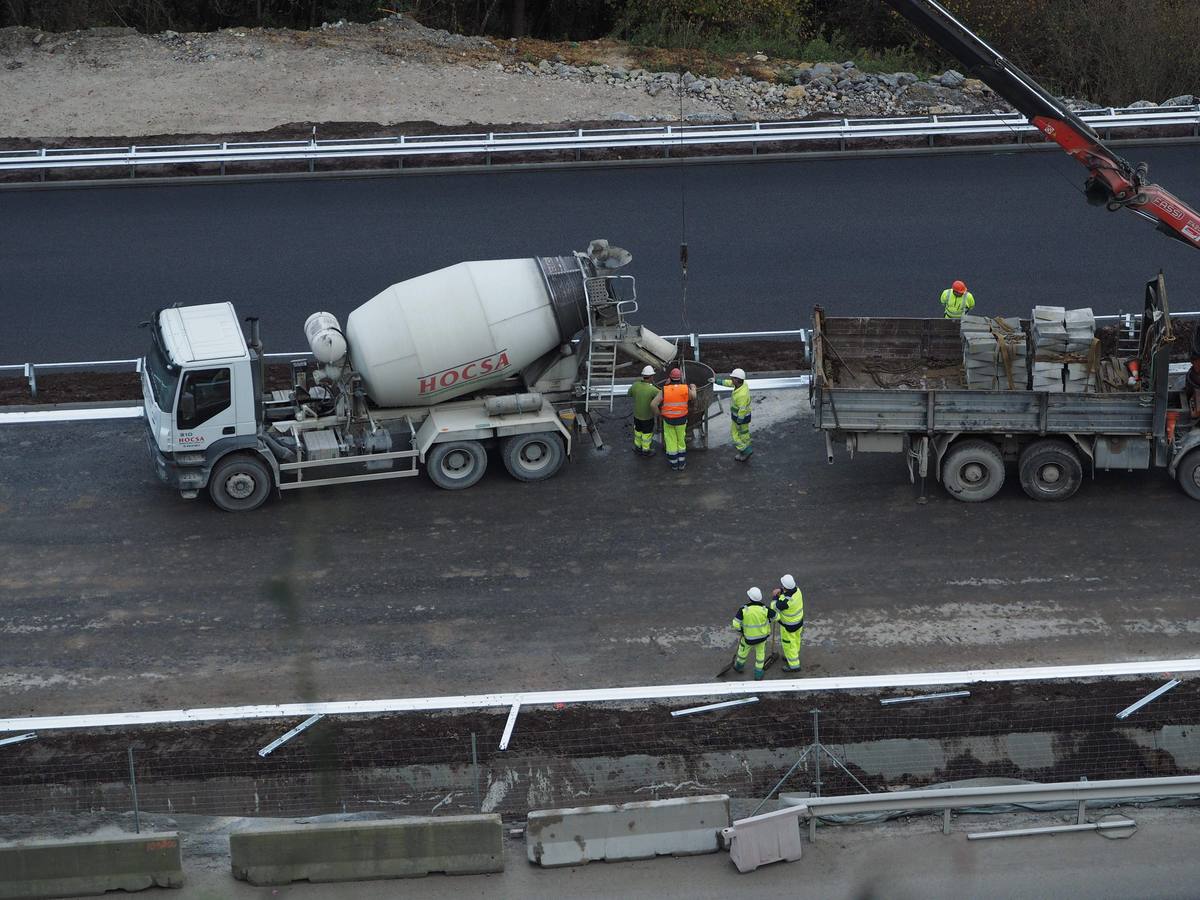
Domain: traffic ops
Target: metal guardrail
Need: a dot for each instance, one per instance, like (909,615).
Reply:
(694,340)
(776,829)
(30,370)
(841,131)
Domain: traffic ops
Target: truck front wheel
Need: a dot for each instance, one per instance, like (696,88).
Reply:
(456,465)
(1050,470)
(533,457)
(239,483)
(1188,474)
(973,471)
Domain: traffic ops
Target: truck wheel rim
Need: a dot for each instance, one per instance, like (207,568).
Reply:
(1196,476)
(240,485)
(535,456)
(457,464)
(1050,474)
(973,473)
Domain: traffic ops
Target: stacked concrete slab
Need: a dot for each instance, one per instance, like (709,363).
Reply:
(994,355)
(1063,342)
(86,865)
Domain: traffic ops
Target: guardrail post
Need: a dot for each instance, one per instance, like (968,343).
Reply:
(475,767)
(31,377)
(487,157)
(137,821)
(224,148)
(694,341)
(667,147)
(578,151)
(946,820)
(132,164)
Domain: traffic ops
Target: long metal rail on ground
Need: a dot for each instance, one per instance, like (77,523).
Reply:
(838,132)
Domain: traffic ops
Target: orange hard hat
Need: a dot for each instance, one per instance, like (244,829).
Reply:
(960,287)
(676,375)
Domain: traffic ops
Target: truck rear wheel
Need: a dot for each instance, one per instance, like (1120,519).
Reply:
(973,471)
(239,483)
(1188,474)
(1050,470)
(456,465)
(533,457)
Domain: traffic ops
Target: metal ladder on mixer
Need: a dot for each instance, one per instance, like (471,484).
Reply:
(603,340)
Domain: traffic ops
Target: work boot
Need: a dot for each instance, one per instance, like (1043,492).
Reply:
(758,674)
(648,452)
(681,467)
(739,456)
(739,667)
(788,668)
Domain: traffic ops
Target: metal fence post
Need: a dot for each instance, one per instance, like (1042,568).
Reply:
(816,714)
(31,377)
(137,822)
(475,769)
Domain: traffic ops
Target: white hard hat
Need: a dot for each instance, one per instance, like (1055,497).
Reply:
(754,594)
(649,370)
(738,373)
(788,582)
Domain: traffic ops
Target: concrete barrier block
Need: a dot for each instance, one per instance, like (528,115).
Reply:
(678,827)
(85,866)
(354,851)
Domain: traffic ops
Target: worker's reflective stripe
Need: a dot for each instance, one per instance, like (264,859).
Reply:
(791,609)
(956,305)
(739,404)
(674,401)
(755,622)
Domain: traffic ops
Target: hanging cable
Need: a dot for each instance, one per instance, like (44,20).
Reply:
(683,247)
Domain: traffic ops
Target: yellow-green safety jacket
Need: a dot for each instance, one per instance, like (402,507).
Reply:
(739,403)
(754,622)
(955,305)
(791,609)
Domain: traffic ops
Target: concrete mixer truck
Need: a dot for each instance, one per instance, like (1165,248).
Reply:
(510,354)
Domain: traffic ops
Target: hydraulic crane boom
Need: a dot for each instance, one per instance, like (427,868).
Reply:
(1113,182)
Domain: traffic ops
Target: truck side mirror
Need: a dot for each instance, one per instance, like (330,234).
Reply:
(187,406)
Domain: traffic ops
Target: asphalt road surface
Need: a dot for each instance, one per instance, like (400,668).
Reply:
(115,594)
(80,268)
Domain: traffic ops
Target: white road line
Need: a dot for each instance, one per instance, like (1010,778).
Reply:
(33,417)
(655,692)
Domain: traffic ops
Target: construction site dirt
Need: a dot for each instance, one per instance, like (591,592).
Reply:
(339,762)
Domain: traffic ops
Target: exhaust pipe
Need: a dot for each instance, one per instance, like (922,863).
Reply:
(255,344)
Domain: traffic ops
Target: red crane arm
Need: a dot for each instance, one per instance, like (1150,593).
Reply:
(1113,182)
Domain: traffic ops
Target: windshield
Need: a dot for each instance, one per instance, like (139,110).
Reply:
(163,377)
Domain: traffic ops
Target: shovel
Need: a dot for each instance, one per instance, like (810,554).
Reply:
(773,656)
(729,665)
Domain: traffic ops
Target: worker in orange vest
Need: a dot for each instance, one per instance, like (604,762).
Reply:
(672,406)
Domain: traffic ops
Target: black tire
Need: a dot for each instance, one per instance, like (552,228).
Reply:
(456,465)
(533,457)
(973,471)
(1187,473)
(1050,470)
(240,482)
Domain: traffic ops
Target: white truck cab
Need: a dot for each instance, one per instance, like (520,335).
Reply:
(198,389)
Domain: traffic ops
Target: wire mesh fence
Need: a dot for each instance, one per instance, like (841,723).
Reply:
(434,764)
